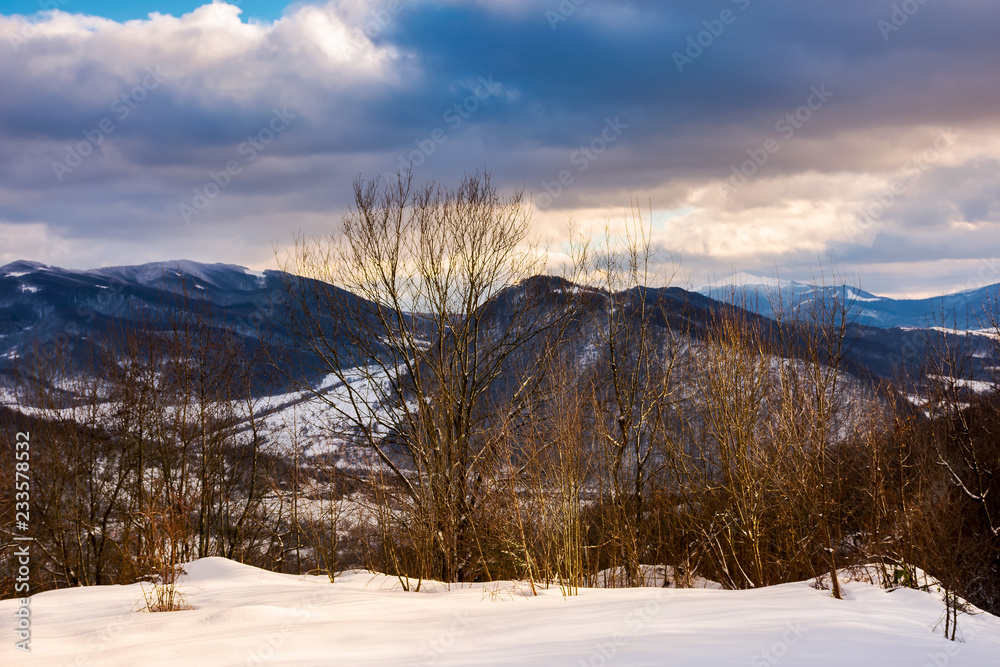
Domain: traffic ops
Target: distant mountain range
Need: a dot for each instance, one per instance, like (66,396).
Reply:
(54,311)
(50,309)
(962,310)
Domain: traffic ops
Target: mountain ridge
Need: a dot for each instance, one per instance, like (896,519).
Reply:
(51,309)
(956,310)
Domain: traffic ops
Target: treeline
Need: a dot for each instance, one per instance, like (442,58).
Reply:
(492,424)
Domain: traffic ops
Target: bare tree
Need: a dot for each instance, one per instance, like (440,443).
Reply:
(632,387)
(730,470)
(436,329)
(816,337)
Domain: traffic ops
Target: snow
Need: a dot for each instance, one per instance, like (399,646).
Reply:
(855,295)
(315,420)
(21,268)
(255,274)
(978,386)
(147,274)
(986,333)
(7,397)
(246,616)
(576,289)
(652,575)
(313,423)
(747,280)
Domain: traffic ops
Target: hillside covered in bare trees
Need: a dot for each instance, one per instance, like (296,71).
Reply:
(422,394)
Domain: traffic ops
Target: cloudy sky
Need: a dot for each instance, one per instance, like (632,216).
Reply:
(765,136)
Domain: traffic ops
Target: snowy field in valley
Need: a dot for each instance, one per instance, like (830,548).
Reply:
(246,616)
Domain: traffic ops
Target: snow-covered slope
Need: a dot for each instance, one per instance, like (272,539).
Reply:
(743,279)
(164,274)
(761,294)
(246,616)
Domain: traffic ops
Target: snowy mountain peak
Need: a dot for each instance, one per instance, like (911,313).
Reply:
(155,273)
(21,267)
(744,279)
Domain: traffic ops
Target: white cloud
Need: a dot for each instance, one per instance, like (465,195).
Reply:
(209,53)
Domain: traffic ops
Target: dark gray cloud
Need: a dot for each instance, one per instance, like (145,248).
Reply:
(354,103)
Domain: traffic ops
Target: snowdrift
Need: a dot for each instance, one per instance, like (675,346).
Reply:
(246,616)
